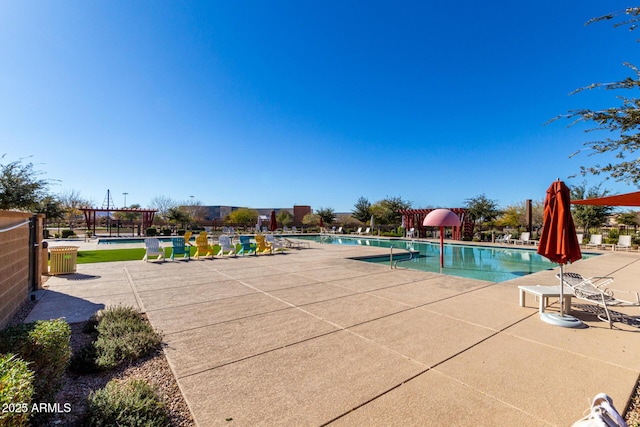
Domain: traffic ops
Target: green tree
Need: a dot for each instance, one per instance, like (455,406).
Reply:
(386,211)
(243,216)
(52,209)
(482,210)
(622,121)
(512,216)
(285,218)
(362,210)
(328,215)
(20,186)
(311,219)
(179,215)
(629,219)
(587,216)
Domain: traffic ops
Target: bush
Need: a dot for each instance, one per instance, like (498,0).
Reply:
(84,360)
(123,334)
(133,403)
(45,345)
(16,391)
(167,232)
(150,232)
(68,233)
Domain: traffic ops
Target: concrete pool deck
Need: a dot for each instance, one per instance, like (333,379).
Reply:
(311,337)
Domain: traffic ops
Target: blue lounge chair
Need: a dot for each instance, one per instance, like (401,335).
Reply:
(178,247)
(246,246)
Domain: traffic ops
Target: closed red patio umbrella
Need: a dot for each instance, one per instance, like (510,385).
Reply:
(273,223)
(559,243)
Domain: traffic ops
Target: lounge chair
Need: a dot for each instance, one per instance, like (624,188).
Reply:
(202,246)
(339,230)
(285,229)
(624,243)
(358,231)
(580,237)
(524,238)
(595,291)
(226,246)
(276,244)
(246,246)
(367,231)
(178,247)
(595,241)
(262,246)
(411,233)
(153,248)
(295,229)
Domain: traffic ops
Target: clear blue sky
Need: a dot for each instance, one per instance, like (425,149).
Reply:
(275,103)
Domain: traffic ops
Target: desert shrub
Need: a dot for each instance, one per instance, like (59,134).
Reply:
(83,361)
(151,231)
(16,391)
(133,403)
(123,334)
(167,232)
(45,346)
(68,233)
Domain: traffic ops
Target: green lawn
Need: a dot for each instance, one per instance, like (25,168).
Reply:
(136,254)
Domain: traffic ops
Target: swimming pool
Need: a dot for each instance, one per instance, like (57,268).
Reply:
(493,264)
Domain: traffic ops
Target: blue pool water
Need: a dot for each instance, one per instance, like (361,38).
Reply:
(493,264)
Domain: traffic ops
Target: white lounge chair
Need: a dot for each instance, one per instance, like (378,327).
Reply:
(226,245)
(367,230)
(595,291)
(358,231)
(411,233)
(153,248)
(524,238)
(595,241)
(624,243)
(295,229)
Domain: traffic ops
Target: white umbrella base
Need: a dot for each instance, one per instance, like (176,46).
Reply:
(564,321)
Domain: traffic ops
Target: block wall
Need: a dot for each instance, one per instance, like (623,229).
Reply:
(14,264)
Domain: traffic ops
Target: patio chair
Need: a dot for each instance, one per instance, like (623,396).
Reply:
(411,233)
(226,246)
(295,229)
(187,237)
(202,246)
(580,237)
(285,229)
(276,244)
(595,291)
(153,248)
(524,238)
(339,230)
(367,231)
(624,242)
(246,246)
(358,231)
(262,246)
(178,247)
(595,241)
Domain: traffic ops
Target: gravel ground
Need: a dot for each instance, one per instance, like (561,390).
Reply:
(154,369)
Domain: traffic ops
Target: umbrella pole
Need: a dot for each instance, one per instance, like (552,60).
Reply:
(441,247)
(561,290)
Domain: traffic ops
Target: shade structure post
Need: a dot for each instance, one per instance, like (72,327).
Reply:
(441,218)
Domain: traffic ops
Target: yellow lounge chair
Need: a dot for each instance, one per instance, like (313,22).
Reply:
(202,246)
(262,246)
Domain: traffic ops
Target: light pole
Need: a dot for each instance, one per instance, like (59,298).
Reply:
(125,199)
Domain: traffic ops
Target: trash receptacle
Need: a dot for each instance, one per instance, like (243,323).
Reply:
(63,259)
